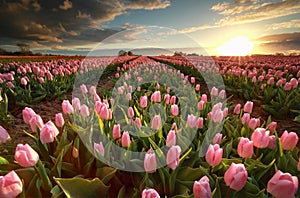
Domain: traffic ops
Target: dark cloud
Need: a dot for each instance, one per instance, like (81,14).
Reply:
(57,23)
(288,42)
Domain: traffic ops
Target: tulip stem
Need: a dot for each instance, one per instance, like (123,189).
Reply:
(210,170)
(243,160)
(228,193)
(256,153)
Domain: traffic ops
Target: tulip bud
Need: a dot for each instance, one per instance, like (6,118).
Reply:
(248,107)
(236,176)
(150,193)
(288,140)
(130,112)
(214,155)
(260,138)
(99,148)
(173,157)
(150,162)
(48,132)
(171,138)
(245,148)
(4,136)
(143,101)
(116,133)
(237,109)
(174,109)
(201,188)
(11,185)
(59,120)
(26,156)
(125,139)
(283,185)
(217,138)
(155,125)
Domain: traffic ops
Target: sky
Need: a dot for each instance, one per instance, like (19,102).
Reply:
(104,27)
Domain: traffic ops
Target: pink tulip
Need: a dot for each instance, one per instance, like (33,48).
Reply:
(174,110)
(27,114)
(222,94)
(130,112)
(35,121)
(137,122)
(167,98)
(26,156)
(99,148)
(10,185)
(214,155)
(287,86)
(59,120)
(283,185)
(260,138)
(173,100)
(155,97)
(150,193)
(83,89)
(197,88)
(128,96)
(288,140)
(248,107)
(236,176)
(245,148)
(217,116)
(143,101)
(84,111)
(76,104)
(116,133)
(201,188)
(245,118)
(23,81)
(155,125)
(237,109)
(171,138)
(125,139)
(173,157)
(48,132)
(67,107)
(214,91)
(150,162)
(217,138)
(272,126)
(104,113)
(272,142)
(201,105)
(4,136)
(93,90)
(204,97)
(200,123)
(253,123)
(192,121)
(193,80)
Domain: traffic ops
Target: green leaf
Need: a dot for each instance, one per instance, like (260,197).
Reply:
(106,173)
(79,187)
(3,161)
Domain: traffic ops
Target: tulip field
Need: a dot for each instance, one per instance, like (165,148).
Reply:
(150,126)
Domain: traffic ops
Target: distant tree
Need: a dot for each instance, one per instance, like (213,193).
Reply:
(129,53)
(24,49)
(122,53)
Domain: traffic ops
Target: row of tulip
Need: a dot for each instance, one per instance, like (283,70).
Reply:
(270,80)
(187,145)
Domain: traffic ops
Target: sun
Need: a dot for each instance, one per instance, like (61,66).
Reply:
(238,46)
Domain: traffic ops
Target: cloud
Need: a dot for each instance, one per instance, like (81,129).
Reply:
(247,11)
(285,25)
(65,22)
(287,43)
(67,5)
(146,4)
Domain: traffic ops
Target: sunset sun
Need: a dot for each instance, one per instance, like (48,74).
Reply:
(238,46)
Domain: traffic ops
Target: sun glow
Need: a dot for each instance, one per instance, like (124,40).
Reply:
(238,46)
